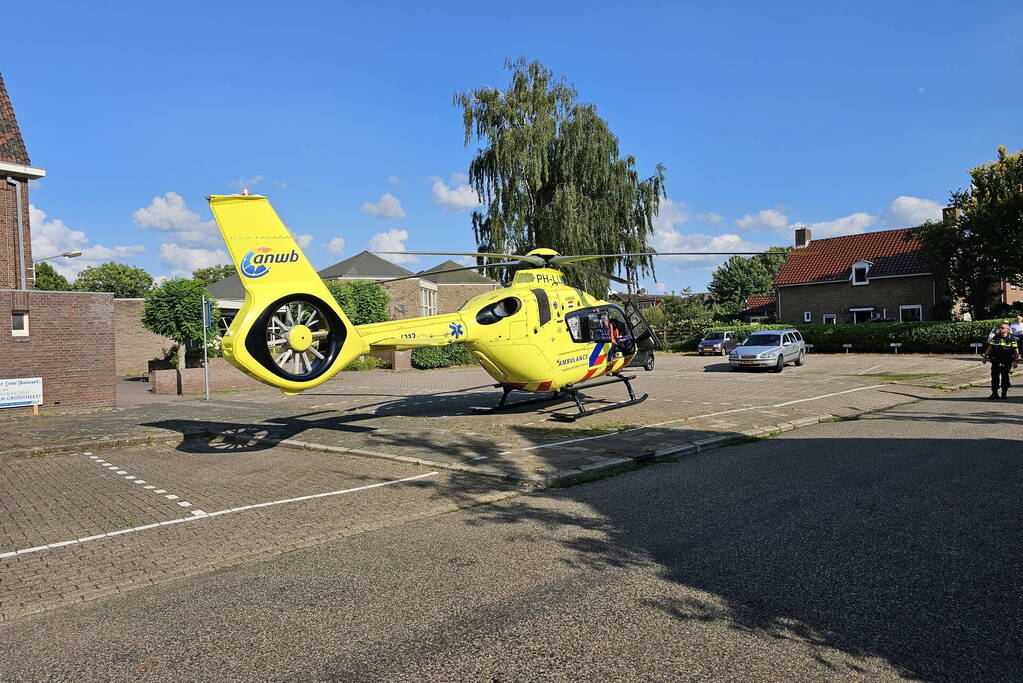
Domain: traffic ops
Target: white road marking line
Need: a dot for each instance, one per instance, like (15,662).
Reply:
(132,477)
(140,481)
(693,417)
(481,457)
(122,471)
(171,496)
(150,488)
(199,514)
(184,504)
(160,491)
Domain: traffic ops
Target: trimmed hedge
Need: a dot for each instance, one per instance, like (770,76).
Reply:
(429,357)
(920,337)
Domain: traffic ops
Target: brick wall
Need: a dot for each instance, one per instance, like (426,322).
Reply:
(223,377)
(884,294)
(135,345)
(8,235)
(450,298)
(404,298)
(70,345)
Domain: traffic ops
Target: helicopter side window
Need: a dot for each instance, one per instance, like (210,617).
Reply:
(499,310)
(543,304)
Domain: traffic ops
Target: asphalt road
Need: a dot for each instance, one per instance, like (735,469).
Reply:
(885,547)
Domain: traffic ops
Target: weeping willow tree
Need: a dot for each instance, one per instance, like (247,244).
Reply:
(550,175)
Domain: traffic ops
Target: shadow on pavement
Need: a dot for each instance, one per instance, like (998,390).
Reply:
(905,549)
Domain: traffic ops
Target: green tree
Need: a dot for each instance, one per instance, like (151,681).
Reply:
(982,243)
(174,310)
(207,276)
(126,282)
(49,280)
(362,301)
(741,276)
(550,175)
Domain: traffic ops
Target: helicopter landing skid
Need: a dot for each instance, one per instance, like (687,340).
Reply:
(583,411)
(504,405)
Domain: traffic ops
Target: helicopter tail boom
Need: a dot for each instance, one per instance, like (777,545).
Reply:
(413,333)
(290,333)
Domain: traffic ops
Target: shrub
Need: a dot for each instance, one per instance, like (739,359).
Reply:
(429,357)
(362,301)
(367,363)
(919,337)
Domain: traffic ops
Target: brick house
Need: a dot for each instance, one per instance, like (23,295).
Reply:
(856,278)
(759,308)
(65,338)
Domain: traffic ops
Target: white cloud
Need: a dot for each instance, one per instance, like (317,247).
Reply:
(281,184)
(909,212)
(458,179)
(183,260)
(392,240)
(304,240)
(660,287)
(169,214)
(51,237)
(393,179)
(709,217)
(460,198)
(767,219)
(849,225)
(920,89)
(387,207)
(243,183)
(669,214)
(336,246)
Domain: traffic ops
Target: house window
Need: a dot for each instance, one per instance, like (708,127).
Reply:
(427,301)
(913,313)
(828,318)
(19,323)
(860,271)
(861,315)
(807,316)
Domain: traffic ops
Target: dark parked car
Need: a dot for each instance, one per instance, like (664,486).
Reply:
(643,359)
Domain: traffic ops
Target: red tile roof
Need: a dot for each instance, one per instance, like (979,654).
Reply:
(831,259)
(760,301)
(12,147)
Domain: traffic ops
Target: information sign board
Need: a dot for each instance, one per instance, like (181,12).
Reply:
(24,391)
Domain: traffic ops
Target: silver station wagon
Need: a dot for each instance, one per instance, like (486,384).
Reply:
(769,349)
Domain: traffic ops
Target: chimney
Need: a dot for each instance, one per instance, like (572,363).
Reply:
(802,237)
(949,215)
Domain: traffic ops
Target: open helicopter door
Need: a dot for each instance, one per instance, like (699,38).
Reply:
(643,333)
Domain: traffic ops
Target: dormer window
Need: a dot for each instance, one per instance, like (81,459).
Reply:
(860,271)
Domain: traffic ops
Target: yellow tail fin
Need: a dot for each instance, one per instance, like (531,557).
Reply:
(290,333)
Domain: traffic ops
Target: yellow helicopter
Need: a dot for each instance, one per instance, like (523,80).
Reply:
(536,335)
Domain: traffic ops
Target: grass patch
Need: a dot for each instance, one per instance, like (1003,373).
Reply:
(897,377)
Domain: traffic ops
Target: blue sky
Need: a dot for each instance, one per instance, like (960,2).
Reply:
(848,117)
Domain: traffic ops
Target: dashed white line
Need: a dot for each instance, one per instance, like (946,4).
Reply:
(135,479)
(199,514)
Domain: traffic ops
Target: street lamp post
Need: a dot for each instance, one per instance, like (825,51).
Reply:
(66,254)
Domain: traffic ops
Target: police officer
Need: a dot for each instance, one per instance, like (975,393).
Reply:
(1003,352)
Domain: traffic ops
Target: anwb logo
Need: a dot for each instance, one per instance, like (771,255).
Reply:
(257,262)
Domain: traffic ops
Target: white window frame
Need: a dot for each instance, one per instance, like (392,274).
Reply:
(19,333)
(854,311)
(427,300)
(918,307)
(865,267)
(826,316)
(807,317)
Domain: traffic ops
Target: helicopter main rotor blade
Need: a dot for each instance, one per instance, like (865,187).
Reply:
(609,276)
(446,270)
(535,260)
(557,260)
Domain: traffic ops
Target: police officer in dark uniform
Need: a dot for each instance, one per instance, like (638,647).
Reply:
(1003,352)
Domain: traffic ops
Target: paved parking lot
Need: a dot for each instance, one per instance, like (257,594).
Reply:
(377,449)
